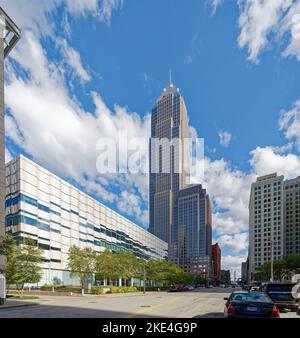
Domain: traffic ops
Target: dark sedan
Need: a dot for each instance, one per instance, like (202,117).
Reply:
(282,295)
(243,304)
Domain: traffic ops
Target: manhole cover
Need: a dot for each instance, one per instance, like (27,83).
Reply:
(146,306)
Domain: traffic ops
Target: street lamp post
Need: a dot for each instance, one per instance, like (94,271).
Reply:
(272,261)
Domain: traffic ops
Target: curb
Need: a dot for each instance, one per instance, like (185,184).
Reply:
(15,306)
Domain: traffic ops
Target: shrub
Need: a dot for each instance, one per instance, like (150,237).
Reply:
(153,288)
(100,290)
(61,288)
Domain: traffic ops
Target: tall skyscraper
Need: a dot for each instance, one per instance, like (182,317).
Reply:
(180,214)
(266,227)
(292,217)
(168,174)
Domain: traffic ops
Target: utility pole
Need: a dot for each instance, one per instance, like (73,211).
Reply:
(272,261)
(144,277)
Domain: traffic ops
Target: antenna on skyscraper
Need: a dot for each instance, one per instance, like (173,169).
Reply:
(170,75)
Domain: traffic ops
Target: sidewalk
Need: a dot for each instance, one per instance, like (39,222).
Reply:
(10,303)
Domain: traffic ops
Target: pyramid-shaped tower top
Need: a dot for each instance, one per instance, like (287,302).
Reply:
(171,89)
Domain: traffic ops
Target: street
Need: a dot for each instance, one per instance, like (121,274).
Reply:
(202,303)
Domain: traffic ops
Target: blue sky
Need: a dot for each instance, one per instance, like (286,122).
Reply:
(90,67)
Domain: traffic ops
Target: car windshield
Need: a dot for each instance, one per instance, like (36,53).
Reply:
(251,297)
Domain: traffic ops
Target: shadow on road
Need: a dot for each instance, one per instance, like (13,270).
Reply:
(53,311)
(211,315)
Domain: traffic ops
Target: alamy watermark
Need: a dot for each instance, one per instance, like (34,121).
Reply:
(138,155)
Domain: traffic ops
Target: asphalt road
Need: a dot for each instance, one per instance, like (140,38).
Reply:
(202,303)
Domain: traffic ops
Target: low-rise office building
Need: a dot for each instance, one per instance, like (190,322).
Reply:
(57,215)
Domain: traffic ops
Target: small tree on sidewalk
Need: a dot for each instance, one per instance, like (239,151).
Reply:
(11,252)
(81,264)
(29,261)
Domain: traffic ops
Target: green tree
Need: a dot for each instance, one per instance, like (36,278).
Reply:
(10,250)
(29,261)
(81,263)
(106,266)
(125,264)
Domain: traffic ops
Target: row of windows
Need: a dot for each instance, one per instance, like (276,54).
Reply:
(21,197)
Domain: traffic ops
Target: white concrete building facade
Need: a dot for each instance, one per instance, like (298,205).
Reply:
(42,206)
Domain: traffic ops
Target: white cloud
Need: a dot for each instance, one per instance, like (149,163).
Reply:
(290,123)
(257,20)
(130,204)
(73,59)
(235,243)
(8,155)
(215,4)
(229,191)
(266,160)
(50,124)
(264,22)
(233,263)
(99,8)
(225,138)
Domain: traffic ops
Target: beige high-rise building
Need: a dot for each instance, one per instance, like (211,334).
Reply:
(266,221)
(292,217)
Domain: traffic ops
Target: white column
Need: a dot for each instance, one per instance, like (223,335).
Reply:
(120,281)
(131,282)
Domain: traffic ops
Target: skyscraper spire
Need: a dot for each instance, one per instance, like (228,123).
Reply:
(170,76)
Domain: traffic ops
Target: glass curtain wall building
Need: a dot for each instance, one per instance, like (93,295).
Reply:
(195,231)
(57,215)
(169,122)
(180,214)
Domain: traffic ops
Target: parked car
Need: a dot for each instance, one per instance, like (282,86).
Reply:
(176,288)
(244,304)
(281,294)
(188,288)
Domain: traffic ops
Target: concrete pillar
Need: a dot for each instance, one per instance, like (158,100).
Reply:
(2,137)
(131,282)
(120,281)
(105,282)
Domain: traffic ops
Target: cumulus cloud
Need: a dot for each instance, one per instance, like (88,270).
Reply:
(233,263)
(98,8)
(215,4)
(266,160)
(48,122)
(229,191)
(131,204)
(264,22)
(73,59)
(235,243)
(50,125)
(289,123)
(225,138)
